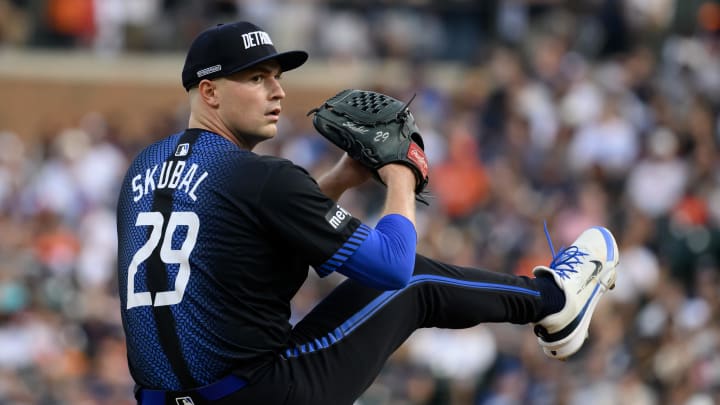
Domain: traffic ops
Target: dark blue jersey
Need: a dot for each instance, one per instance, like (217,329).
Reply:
(213,242)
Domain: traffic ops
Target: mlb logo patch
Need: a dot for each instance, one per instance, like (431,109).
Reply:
(184,401)
(182,149)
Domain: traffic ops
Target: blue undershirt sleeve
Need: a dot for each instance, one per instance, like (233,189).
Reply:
(386,258)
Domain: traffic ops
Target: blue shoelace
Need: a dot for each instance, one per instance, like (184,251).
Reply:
(564,261)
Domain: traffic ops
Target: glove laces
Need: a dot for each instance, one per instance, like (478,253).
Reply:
(564,261)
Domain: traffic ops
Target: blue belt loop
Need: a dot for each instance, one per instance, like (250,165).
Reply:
(211,392)
(221,388)
(152,397)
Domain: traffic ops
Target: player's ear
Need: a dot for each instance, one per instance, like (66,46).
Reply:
(208,92)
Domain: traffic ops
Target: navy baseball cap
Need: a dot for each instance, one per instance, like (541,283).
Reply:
(228,48)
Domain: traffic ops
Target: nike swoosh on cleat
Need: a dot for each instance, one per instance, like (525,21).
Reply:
(598,268)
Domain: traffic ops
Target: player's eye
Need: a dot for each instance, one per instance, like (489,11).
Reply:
(256,78)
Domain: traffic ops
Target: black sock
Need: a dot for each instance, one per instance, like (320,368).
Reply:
(552,296)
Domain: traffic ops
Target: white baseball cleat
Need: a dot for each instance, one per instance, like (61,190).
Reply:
(584,271)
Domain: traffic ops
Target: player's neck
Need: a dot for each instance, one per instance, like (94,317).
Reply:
(240,141)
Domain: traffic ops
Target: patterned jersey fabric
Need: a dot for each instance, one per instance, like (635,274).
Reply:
(208,219)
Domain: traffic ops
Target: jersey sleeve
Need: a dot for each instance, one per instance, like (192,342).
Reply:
(386,259)
(311,223)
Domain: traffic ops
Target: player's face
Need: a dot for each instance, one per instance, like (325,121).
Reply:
(250,101)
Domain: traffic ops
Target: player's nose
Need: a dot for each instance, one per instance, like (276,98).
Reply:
(276,90)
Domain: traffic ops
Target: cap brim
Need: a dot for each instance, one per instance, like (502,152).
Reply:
(291,59)
(288,61)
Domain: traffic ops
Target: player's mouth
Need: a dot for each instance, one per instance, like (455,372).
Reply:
(274,114)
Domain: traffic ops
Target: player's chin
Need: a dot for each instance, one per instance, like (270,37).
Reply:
(268,131)
(271,129)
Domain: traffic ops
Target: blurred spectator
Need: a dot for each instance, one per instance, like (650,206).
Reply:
(462,184)
(71,22)
(609,143)
(658,182)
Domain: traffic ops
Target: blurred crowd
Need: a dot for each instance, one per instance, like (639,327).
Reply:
(570,113)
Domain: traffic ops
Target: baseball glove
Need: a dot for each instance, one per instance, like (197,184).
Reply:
(374,129)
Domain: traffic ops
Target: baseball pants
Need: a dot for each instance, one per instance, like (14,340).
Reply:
(339,348)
